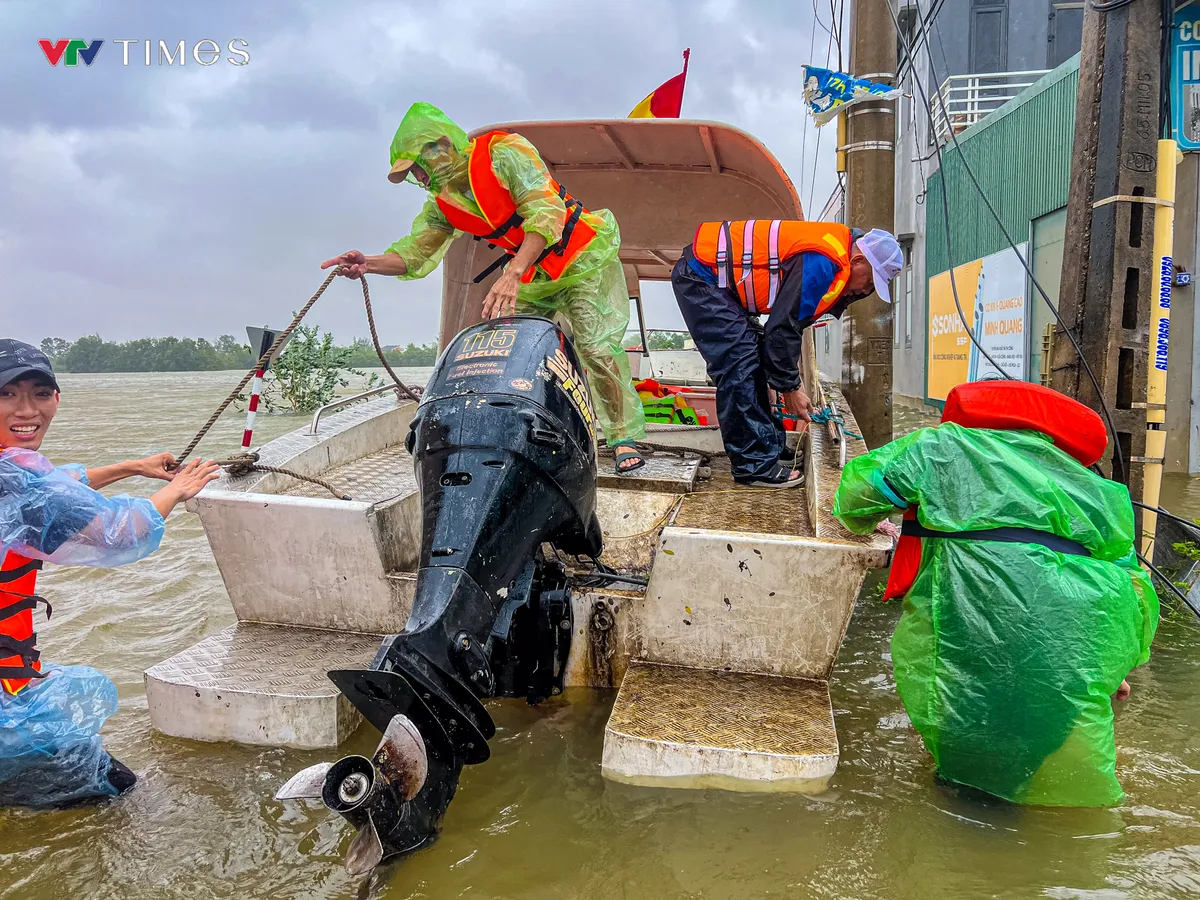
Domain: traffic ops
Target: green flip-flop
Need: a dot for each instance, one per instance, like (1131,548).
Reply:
(625,455)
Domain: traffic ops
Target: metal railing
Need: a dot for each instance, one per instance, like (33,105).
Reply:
(347,401)
(968,99)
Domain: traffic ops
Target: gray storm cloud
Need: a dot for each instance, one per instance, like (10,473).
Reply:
(140,201)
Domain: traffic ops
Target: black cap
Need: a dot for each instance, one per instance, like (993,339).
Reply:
(18,359)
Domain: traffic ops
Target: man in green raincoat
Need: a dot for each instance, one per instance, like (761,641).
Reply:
(563,257)
(1024,606)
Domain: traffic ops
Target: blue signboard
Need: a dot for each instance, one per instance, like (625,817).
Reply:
(1185,77)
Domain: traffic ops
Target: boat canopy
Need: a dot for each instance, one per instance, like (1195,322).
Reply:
(660,177)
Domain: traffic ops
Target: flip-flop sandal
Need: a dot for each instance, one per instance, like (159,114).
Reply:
(624,455)
(780,477)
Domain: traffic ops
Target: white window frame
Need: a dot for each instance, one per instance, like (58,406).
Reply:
(907,275)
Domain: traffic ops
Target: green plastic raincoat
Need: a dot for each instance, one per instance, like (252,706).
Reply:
(1006,655)
(591,293)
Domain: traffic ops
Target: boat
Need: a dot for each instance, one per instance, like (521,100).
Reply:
(724,609)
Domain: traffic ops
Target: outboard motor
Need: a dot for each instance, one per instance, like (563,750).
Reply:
(505,456)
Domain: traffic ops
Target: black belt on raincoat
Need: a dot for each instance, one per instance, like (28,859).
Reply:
(1006,535)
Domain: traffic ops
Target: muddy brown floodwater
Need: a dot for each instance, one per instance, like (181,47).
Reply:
(538,821)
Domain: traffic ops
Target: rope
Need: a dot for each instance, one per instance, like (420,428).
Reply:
(262,361)
(246,463)
(403,388)
(822,416)
(662,448)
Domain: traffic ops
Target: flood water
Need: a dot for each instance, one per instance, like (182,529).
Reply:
(537,820)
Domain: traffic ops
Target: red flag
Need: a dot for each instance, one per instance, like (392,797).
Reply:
(666,102)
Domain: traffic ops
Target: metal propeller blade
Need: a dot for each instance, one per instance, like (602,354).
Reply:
(402,758)
(366,850)
(305,784)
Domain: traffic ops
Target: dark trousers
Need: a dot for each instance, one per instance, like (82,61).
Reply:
(731,343)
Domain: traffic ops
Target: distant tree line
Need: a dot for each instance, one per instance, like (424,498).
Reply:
(363,355)
(94,354)
(658,340)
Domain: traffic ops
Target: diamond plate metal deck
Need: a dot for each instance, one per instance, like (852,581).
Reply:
(723,729)
(632,522)
(724,505)
(376,478)
(662,473)
(259,684)
(290,449)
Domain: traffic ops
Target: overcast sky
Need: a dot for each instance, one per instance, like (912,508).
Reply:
(145,201)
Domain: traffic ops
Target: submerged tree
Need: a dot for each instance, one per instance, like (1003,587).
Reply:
(308,373)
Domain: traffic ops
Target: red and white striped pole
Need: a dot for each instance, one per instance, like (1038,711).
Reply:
(255,390)
(262,337)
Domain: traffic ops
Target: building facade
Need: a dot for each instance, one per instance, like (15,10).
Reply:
(1009,46)
(1007,110)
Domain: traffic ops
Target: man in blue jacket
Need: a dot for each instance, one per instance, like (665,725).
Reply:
(792,272)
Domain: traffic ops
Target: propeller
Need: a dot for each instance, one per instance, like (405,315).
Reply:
(361,789)
(305,784)
(401,757)
(366,850)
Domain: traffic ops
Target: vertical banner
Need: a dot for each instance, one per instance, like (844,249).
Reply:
(992,292)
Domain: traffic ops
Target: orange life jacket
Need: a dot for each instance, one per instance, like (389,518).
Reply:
(500,224)
(750,255)
(1015,405)
(19,661)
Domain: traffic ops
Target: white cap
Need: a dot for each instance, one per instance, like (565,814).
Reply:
(883,252)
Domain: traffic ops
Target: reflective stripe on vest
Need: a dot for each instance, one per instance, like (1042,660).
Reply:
(501,225)
(722,258)
(749,256)
(745,281)
(773,262)
(19,657)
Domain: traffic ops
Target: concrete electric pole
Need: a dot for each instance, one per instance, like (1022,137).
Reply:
(1108,275)
(870,187)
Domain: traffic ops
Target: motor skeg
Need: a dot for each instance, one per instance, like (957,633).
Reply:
(505,457)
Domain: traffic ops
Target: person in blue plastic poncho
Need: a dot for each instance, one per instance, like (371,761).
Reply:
(50,716)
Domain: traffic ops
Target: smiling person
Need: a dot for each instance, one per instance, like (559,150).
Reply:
(50,716)
(562,257)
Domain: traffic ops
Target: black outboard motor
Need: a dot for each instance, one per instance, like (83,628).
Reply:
(505,458)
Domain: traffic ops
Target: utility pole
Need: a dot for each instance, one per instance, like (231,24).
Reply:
(1109,274)
(870,203)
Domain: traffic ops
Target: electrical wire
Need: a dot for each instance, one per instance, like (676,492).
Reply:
(1107,413)
(945,201)
(908,63)
(1169,583)
(1164,81)
(603,575)
(812,49)
(838,18)
(937,32)
(1167,515)
(812,190)
(817,21)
